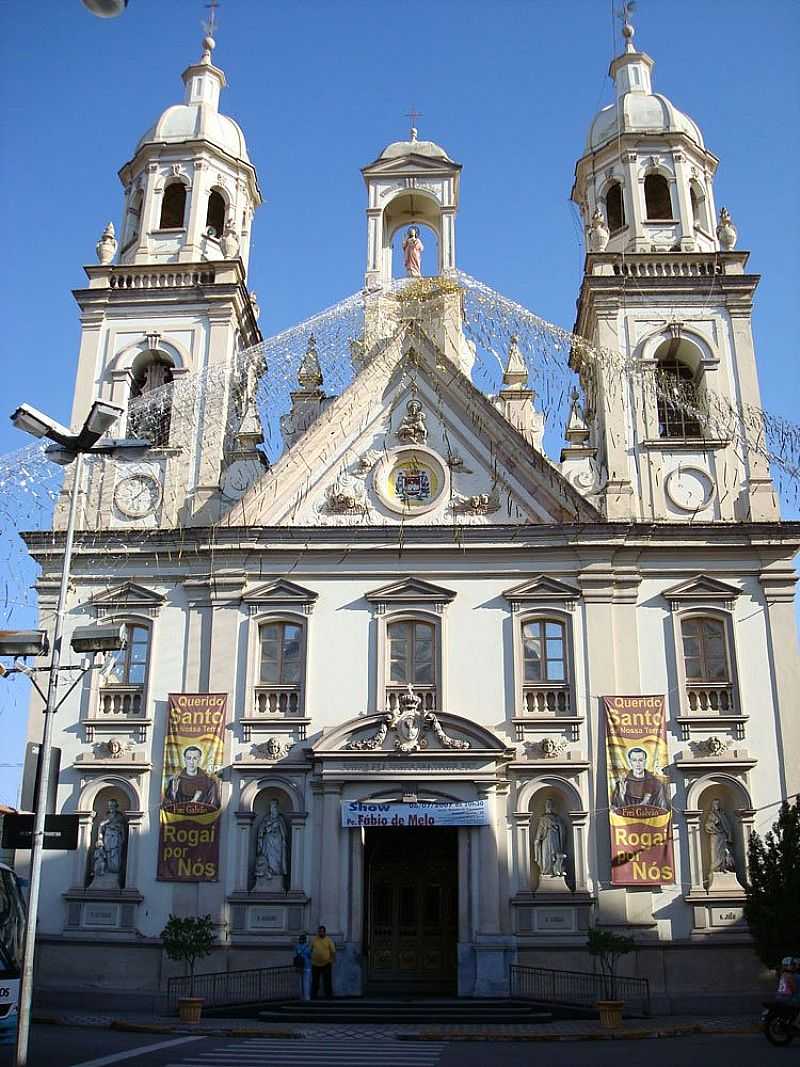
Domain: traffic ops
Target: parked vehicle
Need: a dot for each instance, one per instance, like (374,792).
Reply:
(780,1020)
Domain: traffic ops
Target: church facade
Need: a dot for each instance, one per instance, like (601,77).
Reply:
(372,684)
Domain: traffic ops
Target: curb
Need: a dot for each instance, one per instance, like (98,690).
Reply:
(165,1028)
(611,1035)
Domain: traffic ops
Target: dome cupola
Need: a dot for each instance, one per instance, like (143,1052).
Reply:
(644,182)
(190,189)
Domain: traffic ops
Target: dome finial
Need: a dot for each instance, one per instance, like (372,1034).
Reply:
(624,14)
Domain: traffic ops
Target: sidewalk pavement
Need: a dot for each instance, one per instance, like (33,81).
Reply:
(562,1030)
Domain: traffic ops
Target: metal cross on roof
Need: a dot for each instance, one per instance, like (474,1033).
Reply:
(211,23)
(413,114)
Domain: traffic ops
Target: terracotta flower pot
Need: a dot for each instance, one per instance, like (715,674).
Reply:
(610,1013)
(190,1009)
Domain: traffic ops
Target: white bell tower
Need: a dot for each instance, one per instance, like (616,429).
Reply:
(411,181)
(671,420)
(169,309)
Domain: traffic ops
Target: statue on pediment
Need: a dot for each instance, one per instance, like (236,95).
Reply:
(413,429)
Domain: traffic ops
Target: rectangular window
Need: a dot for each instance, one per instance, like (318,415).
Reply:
(543,650)
(281,650)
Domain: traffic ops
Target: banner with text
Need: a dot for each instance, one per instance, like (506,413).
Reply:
(191,796)
(367,813)
(640,815)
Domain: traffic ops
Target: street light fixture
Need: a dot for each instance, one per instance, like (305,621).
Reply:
(105,9)
(24,643)
(67,447)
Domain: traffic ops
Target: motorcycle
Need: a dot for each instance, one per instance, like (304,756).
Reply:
(779,1020)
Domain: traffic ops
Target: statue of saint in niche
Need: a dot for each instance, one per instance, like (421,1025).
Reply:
(108,857)
(550,843)
(720,840)
(412,253)
(272,852)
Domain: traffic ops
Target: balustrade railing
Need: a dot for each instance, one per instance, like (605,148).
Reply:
(227,988)
(578,988)
(546,699)
(122,700)
(427,694)
(656,267)
(709,697)
(159,279)
(278,700)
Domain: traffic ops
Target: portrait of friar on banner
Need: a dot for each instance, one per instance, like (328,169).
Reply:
(640,815)
(191,796)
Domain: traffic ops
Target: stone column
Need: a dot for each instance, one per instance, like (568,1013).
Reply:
(692,817)
(488,871)
(633,197)
(778,583)
(447,252)
(132,873)
(244,824)
(297,821)
(746,817)
(578,820)
(685,213)
(330,876)
(522,851)
(81,858)
(150,216)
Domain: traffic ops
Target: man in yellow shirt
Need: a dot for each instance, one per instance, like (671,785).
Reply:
(323,953)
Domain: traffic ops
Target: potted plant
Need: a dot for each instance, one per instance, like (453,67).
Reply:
(608,947)
(189,940)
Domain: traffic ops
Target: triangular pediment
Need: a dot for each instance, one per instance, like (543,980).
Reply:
(411,163)
(542,589)
(702,587)
(128,596)
(411,590)
(476,468)
(281,592)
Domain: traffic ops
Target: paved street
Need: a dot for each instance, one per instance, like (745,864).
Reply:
(55,1046)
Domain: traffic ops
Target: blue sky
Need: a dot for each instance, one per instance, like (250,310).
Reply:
(508,87)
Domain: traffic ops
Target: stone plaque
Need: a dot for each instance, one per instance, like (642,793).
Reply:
(266,918)
(733,916)
(555,920)
(100,914)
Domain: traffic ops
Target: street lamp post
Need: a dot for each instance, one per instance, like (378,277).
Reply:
(67,448)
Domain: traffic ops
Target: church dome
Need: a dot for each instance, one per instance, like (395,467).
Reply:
(649,113)
(198,117)
(397,149)
(186,122)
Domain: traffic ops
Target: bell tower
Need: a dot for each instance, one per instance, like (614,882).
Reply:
(166,313)
(672,401)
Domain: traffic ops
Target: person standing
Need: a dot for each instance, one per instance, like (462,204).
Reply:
(302,963)
(323,954)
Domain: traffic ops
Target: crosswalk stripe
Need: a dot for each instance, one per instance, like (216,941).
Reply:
(309,1052)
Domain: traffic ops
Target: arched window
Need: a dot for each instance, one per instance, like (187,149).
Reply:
(698,206)
(215,214)
(150,406)
(677,401)
(705,653)
(657,200)
(281,668)
(411,648)
(545,667)
(173,206)
(122,689)
(280,653)
(615,208)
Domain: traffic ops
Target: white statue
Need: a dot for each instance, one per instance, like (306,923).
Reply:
(598,232)
(550,843)
(108,865)
(412,253)
(272,851)
(229,242)
(720,840)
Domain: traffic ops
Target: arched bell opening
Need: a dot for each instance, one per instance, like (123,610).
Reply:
(412,208)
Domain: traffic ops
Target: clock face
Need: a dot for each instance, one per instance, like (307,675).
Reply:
(689,488)
(137,495)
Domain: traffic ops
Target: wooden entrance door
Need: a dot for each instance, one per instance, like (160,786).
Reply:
(411,913)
